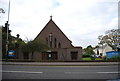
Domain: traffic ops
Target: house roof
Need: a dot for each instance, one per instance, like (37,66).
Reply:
(53,23)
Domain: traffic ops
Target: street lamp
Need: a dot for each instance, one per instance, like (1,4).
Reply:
(7,42)
(7,31)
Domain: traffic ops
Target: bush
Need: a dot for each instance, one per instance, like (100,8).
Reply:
(86,55)
(92,58)
(101,54)
(104,57)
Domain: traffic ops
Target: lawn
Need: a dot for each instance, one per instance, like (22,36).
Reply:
(88,58)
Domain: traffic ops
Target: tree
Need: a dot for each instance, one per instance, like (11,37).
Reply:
(111,38)
(89,50)
(24,48)
(36,46)
(4,39)
(13,42)
(2,10)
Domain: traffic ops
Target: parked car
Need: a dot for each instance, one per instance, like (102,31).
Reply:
(97,56)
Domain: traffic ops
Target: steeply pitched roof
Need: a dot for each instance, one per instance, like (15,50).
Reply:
(53,24)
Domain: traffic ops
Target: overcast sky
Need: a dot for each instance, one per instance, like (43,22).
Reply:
(82,21)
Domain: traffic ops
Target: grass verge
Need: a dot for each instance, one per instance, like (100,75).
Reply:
(88,58)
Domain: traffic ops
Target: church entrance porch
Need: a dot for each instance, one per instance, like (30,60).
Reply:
(50,56)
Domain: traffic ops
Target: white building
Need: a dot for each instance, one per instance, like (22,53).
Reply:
(103,49)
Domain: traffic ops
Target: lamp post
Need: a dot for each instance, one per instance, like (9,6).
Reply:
(7,42)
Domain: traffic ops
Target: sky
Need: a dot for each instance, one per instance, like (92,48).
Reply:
(82,21)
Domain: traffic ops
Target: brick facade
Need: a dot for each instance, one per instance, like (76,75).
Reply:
(60,46)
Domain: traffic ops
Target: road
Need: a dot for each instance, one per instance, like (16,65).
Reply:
(59,72)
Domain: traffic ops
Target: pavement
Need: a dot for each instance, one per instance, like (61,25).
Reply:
(62,63)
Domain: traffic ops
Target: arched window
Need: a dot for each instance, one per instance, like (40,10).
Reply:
(55,43)
(47,41)
(59,45)
(50,39)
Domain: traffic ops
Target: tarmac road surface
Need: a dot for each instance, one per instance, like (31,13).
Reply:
(59,72)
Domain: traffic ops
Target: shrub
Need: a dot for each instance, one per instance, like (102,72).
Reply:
(86,55)
(104,57)
(92,58)
(101,54)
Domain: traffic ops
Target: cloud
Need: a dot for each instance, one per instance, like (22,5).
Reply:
(81,20)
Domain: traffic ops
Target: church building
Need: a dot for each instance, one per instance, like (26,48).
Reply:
(61,48)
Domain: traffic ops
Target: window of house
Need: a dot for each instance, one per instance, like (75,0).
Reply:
(74,55)
(59,45)
(55,43)
(50,39)
(51,44)
(47,41)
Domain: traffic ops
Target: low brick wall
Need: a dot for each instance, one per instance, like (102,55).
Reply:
(29,60)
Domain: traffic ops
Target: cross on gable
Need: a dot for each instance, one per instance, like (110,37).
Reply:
(51,17)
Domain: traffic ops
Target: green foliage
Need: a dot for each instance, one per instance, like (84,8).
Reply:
(13,42)
(86,58)
(89,50)
(11,39)
(86,55)
(89,58)
(37,45)
(24,47)
(33,46)
(93,58)
(17,43)
(104,57)
(111,38)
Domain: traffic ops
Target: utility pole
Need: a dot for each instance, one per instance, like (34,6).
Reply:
(7,42)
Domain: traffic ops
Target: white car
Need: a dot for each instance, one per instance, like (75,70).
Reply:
(97,56)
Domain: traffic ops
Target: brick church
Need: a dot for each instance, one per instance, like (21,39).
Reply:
(61,47)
